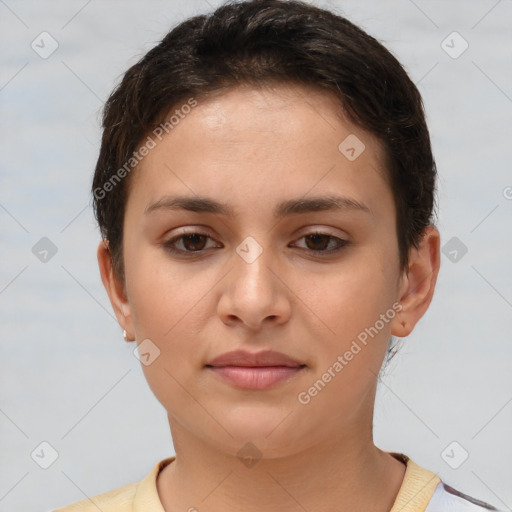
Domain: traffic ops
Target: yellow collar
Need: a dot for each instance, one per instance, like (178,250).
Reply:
(416,490)
(417,487)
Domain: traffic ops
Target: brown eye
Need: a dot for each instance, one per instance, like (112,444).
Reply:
(318,242)
(323,243)
(194,242)
(190,243)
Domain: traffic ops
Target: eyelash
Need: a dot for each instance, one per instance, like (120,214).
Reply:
(168,245)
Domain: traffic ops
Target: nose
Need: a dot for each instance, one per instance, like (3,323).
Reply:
(255,293)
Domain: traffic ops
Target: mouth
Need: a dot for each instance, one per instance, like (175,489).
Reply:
(255,377)
(255,371)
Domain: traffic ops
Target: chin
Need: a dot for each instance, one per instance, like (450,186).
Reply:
(271,434)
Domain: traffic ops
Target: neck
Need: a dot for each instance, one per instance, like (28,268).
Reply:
(346,474)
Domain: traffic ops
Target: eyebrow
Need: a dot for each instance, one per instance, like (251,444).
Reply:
(201,204)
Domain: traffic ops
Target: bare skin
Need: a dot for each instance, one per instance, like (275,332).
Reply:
(253,149)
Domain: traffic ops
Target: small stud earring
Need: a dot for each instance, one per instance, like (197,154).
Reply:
(125,335)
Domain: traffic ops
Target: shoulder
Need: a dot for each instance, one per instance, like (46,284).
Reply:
(118,500)
(134,497)
(424,491)
(448,499)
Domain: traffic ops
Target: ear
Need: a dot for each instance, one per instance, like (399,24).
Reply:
(115,289)
(417,283)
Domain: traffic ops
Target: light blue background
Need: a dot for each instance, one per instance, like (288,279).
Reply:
(67,376)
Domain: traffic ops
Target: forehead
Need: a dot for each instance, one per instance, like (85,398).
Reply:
(263,143)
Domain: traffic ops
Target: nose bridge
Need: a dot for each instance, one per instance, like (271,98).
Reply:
(254,292)
(252,272)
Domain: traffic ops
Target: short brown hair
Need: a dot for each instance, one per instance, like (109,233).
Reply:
(258,42)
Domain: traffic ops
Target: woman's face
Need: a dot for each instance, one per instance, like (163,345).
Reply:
(257,282)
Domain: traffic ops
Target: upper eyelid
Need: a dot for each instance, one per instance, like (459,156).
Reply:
(203,230)
(314,231)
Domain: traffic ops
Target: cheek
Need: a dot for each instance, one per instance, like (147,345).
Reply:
(352,298)
(352,348)
(164,297)
(168,307)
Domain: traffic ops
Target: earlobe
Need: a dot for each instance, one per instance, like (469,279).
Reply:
(114,288)
(417,285)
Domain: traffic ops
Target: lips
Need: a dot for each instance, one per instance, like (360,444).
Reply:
(254,359)
(254,371)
